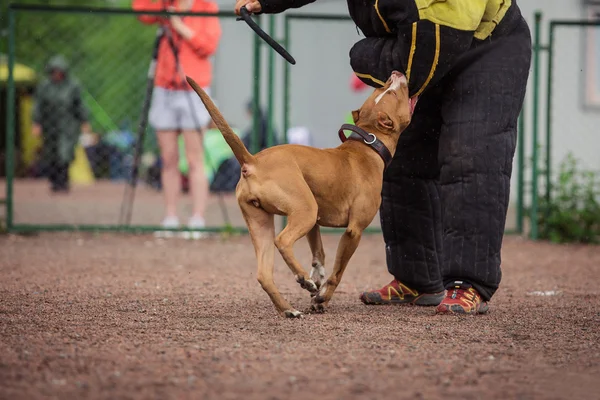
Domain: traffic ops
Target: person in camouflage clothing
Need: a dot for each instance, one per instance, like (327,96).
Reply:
(59,116)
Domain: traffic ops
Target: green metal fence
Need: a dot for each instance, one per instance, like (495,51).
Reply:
(565,109)
(112,75)
(124,51)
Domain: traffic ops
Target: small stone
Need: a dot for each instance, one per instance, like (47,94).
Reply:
(81,385)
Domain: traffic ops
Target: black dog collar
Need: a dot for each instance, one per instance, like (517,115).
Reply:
(369,139)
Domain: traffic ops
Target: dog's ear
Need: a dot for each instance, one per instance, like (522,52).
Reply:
(384,120)
(355,114)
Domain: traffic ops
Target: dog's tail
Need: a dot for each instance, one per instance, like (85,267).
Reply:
(237,146)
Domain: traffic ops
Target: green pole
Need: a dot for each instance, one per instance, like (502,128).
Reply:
(549,114)
(10,121)
(534,167)
(256,95)
(286,91)
(286,82)
(520,169)
(271,84)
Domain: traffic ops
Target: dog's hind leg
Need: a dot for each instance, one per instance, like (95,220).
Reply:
(262,231)
(300,222)
(346,248)
(317,273)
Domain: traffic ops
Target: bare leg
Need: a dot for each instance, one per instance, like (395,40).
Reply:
(194,152)
(317,273)
(171,179)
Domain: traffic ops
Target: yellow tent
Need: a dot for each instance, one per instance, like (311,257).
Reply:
(80,170)
(25,78)
(21,73)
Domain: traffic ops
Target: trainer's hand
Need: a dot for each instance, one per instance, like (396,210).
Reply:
(252,6)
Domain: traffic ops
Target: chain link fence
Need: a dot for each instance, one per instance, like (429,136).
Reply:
(107,53)
(79,79)
(572,96)
(569,191)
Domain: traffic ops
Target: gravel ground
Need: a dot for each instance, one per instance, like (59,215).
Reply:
(133,317)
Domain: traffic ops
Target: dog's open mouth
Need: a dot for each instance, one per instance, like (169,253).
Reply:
(395,82)
(398,79)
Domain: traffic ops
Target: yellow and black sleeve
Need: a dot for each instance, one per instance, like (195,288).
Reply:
(426,49)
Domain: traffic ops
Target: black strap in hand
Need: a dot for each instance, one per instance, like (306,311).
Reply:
(245,15)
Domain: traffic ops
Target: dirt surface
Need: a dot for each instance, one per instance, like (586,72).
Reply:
(134,317)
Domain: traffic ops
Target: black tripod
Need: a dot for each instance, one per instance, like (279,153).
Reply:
(127,204)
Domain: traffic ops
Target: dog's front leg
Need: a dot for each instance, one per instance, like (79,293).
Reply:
(346,248)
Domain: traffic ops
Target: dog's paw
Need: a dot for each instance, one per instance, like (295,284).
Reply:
(293,314)
(319,301)
(317,274)
(321,296)
(307,284)
(317,308)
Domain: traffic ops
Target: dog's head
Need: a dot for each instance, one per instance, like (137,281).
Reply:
(389,109)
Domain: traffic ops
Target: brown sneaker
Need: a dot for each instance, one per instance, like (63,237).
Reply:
(462,299)
(397,293)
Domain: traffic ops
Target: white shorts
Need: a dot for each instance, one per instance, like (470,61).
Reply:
(172,110)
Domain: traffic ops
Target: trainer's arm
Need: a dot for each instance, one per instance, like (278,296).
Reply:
(424,50)
(269,6)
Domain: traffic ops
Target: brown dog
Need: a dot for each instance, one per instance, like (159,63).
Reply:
(312,187)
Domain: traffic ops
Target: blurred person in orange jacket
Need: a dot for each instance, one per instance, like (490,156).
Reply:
(173,110)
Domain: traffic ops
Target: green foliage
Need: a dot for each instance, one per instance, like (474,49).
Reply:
(573,212)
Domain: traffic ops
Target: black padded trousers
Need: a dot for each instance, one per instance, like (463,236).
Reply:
(445,195)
